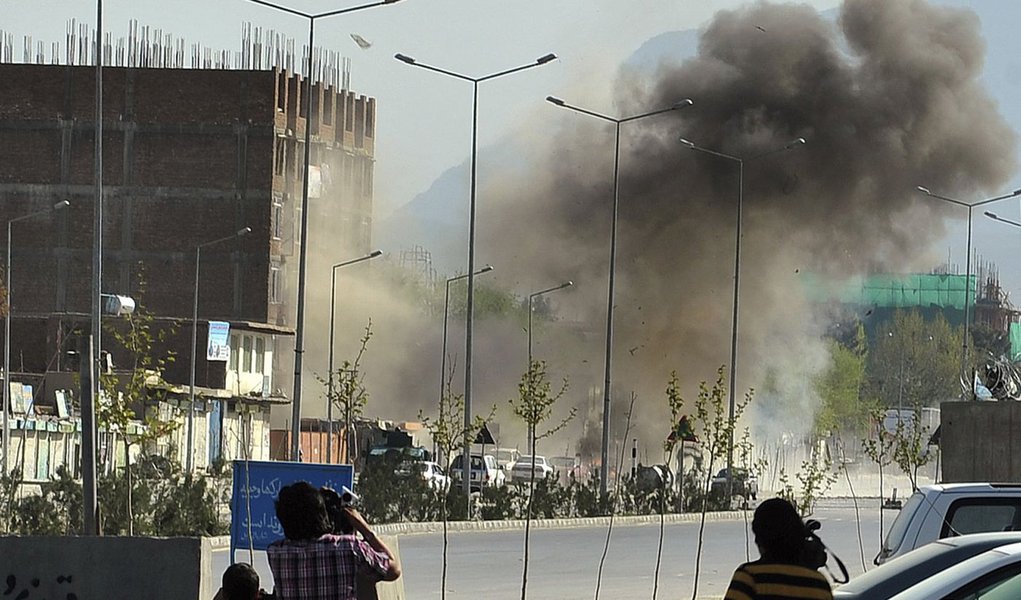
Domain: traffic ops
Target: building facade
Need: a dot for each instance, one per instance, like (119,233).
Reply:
(188,156)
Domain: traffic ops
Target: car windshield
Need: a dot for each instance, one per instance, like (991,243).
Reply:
(900,524)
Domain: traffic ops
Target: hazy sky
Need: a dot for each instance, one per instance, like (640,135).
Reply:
(424,118)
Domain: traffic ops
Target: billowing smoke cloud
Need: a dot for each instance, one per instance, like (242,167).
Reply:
(887,99)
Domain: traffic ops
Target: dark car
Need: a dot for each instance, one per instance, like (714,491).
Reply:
(897,575)
(746,484)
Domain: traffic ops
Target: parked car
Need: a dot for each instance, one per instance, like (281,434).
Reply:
(566,468)
(898,574)
(483,472)
(521,472)
(746,484)
(431,473)
(938,511)
(992,575)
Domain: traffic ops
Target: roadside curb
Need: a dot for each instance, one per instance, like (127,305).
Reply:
(223,541)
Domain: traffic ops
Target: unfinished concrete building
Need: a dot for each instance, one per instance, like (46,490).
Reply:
(190,155)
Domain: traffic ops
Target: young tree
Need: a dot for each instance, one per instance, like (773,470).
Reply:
(534,405)
(349,395)
(448,432)
(716,431)
(879,447)
(678,432)
(140,387)
(911,447)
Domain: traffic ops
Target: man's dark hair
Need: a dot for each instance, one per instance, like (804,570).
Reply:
(240,582)
(779,531)
(302,512)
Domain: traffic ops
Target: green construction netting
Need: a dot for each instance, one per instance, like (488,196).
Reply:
(1015,341)
(899,291)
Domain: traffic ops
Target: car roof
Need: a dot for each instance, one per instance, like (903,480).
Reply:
(963,572)
(921,563)
(982,487)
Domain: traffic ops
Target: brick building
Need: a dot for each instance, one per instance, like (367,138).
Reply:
(189,156)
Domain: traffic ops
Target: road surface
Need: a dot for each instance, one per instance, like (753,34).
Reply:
(563,563)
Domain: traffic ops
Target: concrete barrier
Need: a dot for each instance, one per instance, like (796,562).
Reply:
(106,567)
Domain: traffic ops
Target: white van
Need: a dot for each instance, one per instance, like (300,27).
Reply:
(943,510)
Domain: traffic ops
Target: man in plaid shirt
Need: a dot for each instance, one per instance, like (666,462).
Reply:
(313,564)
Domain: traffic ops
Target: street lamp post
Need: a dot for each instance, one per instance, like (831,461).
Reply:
(966,382)
(737,284)
(470,309)
(329,377)
(190,460)
(607,361)
(299,328)
(531,297)
(7,331)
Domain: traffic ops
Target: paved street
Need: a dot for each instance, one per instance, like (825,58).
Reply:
(564,562)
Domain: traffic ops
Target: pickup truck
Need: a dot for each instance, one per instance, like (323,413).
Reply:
(939,511)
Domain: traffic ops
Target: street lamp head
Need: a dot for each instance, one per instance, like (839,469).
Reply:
(923,189)
(404,59)
(375,253)
(687,143)
(569,284)
(798,142)
(554,100)
(991,215)
(486,269)
(1016,192)
(61,204)
(243,231)
(391,1)
(682,103)
(545,59)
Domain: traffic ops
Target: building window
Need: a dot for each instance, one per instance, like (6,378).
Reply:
(260,354)
(278,220)
(279,155)
(328,107)
(234,351)
(247,359)
(349,114)
(274,285)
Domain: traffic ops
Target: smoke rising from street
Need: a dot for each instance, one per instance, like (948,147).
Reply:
(888,98)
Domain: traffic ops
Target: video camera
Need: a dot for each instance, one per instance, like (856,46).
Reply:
(335,505)
(815,554)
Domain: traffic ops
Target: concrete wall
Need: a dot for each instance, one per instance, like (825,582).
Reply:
(981,441)
(107,567)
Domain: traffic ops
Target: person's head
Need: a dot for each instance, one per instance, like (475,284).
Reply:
(240,582)
(302,512)
(779,531)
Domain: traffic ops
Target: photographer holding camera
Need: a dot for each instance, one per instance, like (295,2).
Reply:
(787,569)
(312,562)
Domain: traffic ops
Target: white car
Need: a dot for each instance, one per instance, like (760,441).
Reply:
(484,472)
(433,475)
(992,575)
(938,511)
(521,472)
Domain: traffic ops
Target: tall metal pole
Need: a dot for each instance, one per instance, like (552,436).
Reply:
(966,380)
(965,375)
(733,329)
(190,459)
(470,309)
(90,512)
(91,393)
(528,373)
(329,370)
(329,377)
(737,287)
(299,333)
(7,357)
(604,457)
